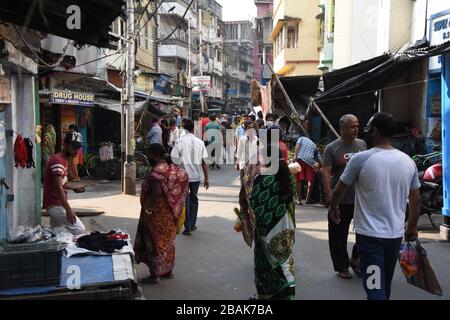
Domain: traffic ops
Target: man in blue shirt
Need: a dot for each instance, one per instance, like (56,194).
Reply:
(155,133)
(307,156)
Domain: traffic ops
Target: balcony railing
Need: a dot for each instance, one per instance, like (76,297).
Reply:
(212,6)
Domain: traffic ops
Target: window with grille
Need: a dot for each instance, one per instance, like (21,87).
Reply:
(292,37)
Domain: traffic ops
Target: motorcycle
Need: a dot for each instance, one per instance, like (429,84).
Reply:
(431,190)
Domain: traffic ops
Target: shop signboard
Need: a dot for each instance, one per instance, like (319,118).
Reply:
(439,34)
(144,83)
(72,98)
(201,83)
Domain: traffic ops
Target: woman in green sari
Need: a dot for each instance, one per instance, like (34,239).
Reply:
(272,205)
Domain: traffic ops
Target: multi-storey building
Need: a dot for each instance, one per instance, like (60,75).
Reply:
(366,29)
(210,49)
(295,37)
(173,50)
(263,47)
(326,38)
(111,67)
(238,47)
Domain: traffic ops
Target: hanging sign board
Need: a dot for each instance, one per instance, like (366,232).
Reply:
(72,98)
(439,34)
(201,83)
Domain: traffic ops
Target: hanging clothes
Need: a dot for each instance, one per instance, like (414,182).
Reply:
(29,145)
(20,152)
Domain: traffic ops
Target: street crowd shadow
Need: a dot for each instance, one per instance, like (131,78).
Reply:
(215,263)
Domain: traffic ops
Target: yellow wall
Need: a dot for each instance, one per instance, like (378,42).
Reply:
(400,23)
(305,58)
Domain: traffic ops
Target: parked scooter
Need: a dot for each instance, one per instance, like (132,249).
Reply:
(431,188)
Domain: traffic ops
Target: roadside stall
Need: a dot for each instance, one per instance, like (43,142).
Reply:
(52,264)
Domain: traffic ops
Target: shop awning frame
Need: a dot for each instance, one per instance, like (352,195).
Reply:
(343,85)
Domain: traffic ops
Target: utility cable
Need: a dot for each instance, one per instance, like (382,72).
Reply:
(179,24)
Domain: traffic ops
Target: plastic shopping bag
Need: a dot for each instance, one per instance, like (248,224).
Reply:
(409,259)
(425,277)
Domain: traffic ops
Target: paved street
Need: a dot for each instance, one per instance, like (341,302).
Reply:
(214,263)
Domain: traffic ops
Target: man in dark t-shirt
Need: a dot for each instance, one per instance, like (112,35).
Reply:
(336,156)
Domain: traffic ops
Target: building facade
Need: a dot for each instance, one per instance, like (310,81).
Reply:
(366,29)
(111,67)
(295,37)
(209,50)
(239,37)
(263,47)
(326,39)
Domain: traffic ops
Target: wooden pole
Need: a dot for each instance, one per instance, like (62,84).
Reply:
(295,116)
(325,119)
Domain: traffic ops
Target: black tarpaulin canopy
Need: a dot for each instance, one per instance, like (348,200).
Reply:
(354,86)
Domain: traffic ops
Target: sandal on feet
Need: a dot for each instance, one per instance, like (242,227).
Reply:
(356,268)
(345,275)
(151,280)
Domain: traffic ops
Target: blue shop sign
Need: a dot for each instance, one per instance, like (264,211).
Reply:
(72,98)
(439,34)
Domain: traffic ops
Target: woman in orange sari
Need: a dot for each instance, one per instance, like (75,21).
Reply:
(163,196)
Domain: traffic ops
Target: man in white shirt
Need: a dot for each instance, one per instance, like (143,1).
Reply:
(247,152)
(190,153)
(174,134)
(384,179)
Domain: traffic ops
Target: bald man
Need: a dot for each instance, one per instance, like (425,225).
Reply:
(336,156)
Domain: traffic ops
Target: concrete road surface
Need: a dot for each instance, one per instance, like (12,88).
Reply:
(215,263)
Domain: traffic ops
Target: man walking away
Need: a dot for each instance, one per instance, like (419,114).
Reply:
(155,133)
(307,156)
(212,129)
(247,152)
(385,177)
(190,153)
(336,156)
(55,186)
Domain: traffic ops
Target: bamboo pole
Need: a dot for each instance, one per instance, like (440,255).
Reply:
(295,116)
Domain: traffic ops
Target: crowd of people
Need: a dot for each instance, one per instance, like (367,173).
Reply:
(368,181)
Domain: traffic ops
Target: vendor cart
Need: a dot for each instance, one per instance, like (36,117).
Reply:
(87,277)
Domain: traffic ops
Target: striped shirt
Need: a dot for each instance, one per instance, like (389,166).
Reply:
(56,166)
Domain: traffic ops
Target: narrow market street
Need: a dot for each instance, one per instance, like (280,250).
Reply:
(215,263)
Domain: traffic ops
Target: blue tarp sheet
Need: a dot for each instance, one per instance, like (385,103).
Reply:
(93,269)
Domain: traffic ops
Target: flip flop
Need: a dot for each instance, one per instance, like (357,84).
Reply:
(345,275)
